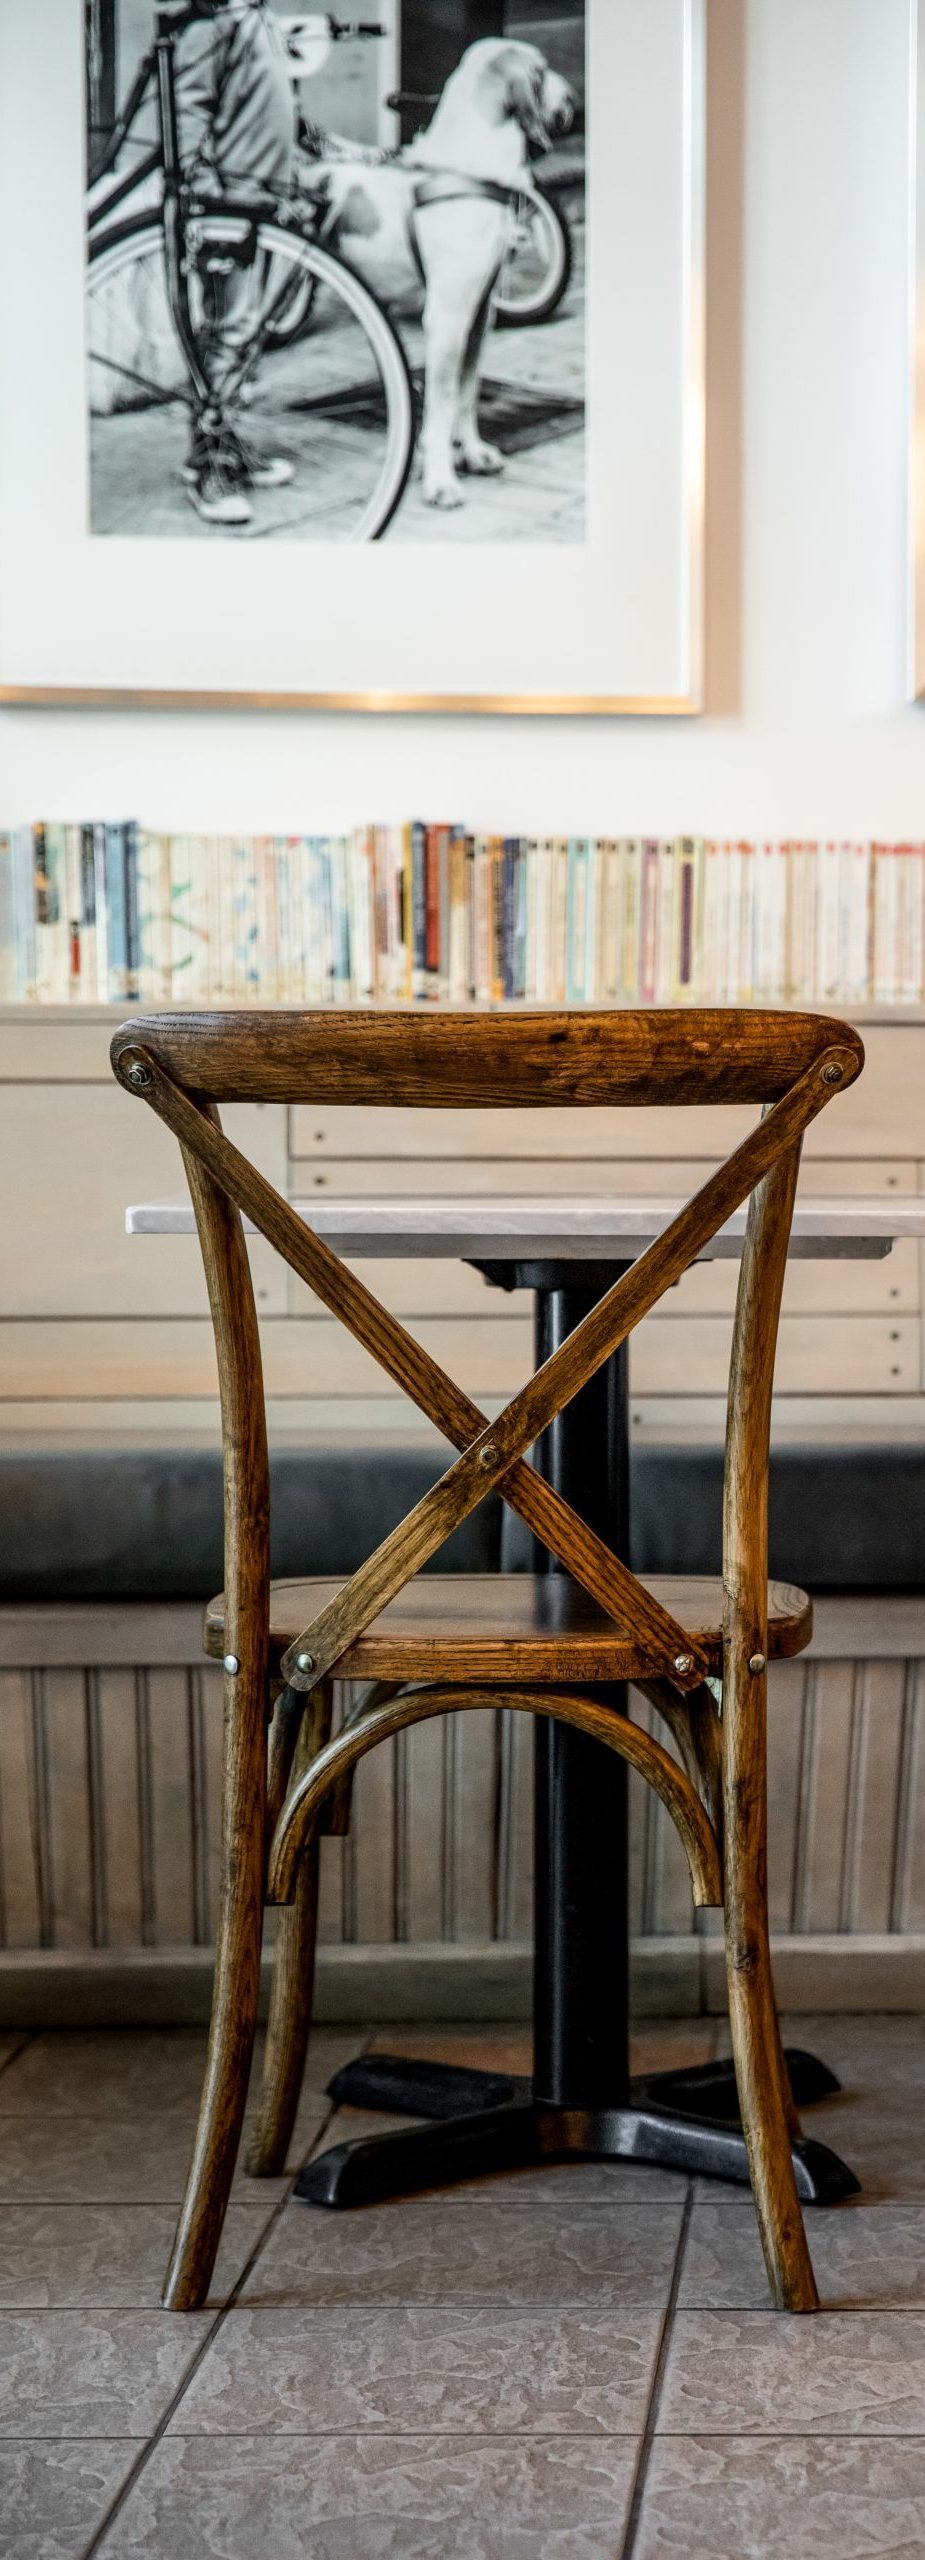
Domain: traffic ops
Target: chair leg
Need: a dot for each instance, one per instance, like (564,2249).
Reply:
(288,2025)
(293,1975)
(221,2112)
(769,2118)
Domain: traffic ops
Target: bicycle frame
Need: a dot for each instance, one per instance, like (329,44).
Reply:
(157,68)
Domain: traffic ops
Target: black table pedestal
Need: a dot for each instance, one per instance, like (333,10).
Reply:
(581,2103)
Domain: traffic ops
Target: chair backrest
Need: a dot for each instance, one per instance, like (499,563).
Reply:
(791,1065)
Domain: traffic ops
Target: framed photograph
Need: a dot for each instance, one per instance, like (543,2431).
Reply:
(353,364)
(917,352)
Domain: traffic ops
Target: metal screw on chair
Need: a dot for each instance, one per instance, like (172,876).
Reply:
(305,1662)
(487,1456)
(138,1074)
(684,1662)
(231,1665)
(758,1662)
(833,1073)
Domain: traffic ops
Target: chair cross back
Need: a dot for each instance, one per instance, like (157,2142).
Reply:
(184,1066)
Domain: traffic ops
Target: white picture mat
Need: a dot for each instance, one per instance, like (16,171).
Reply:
(614,621)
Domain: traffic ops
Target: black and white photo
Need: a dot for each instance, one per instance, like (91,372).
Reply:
(335,276)
(359,362)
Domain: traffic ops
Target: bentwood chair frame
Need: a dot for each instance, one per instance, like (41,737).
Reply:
(284,1778)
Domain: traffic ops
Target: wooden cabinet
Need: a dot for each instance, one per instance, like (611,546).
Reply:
(103,1334)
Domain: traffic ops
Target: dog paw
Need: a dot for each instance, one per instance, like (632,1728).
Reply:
(443,493)
(484,460)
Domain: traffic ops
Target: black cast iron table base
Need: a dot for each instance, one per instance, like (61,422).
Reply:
(483,2121)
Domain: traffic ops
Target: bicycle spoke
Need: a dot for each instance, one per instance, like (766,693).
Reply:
(302,365)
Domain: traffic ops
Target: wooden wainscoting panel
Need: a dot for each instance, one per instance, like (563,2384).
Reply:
(121,1861)
(786,1701)
(25,1818)
(110,1803)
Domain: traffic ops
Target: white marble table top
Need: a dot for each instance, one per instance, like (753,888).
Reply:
(565,1230)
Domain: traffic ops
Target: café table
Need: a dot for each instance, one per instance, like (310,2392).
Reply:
(580,2103)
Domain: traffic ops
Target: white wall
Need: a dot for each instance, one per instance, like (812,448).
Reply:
(806,730)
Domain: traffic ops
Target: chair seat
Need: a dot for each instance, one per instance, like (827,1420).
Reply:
(516,1627)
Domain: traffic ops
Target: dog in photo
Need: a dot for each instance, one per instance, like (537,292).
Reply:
(440,219)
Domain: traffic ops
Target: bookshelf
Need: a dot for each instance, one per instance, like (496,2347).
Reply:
(433,914)
(104,1337)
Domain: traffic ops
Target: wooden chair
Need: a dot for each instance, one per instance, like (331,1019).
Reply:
(282,1646)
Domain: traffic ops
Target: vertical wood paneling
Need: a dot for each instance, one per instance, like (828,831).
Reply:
(110,1787)
(21,1896)
(425,1890)
(372,1845)
(786,1685)
(909,1877)
(880,1687)
(520,1884)
(121,1809)
(171,1809)
(67,1818)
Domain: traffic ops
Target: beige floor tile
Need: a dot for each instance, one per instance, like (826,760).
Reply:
(735,2498)
(102,2256)
(92,2373)
(63,2159)
(861,2049)
(137,2071)
(865,2256)
(857,2373)
(368,2498)
(468,2370)
(422,2249)
(53,2496)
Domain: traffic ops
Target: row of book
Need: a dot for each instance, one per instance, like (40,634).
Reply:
(114,913)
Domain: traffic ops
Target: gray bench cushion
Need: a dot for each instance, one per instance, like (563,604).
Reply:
(132,1524)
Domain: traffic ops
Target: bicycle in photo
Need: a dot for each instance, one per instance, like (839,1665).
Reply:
(208,310)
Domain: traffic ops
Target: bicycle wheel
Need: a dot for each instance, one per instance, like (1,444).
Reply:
(538,267)
(338,405)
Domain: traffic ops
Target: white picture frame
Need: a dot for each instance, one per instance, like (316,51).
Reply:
(608,624)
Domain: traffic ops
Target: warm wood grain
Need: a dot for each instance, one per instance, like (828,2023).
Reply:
(522,1626)
(461,1422)
(290,2015)
(587,1714)
(500,1444)
(764,2096)
(489,1060)
(388,1623)
(240,1930)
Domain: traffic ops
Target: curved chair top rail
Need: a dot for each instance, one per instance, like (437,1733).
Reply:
(447,1060)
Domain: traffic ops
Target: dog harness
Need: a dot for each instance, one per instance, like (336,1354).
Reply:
(453,186)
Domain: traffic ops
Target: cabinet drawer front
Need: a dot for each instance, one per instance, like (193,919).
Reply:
(601,1177)
(420,1287)
(848,1355)
(301,1358)
(890,1287)
(72,1157)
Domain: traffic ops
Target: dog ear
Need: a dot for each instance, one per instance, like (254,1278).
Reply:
(524,88)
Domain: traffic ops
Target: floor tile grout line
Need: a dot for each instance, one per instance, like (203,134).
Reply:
(152,2441)
(7,2060)
(648,2434)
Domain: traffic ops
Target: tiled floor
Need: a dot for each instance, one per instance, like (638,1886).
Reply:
(574,2364)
